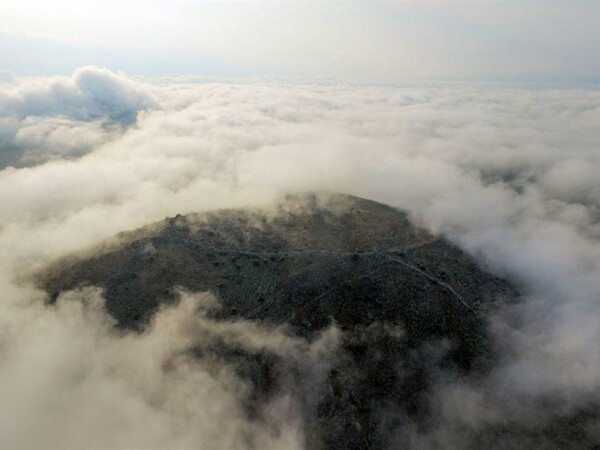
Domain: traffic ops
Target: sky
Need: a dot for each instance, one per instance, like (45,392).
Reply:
(493,40)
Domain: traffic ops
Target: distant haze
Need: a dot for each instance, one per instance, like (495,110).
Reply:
(494,40)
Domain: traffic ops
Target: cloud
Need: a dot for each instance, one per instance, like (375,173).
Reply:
(508,174)
(90,93)
(75,383)
(57,118)
(34,140)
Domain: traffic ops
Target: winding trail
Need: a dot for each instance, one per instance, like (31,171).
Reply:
(373,253)
(431,278)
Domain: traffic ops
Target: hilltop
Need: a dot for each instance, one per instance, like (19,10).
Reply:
(408,303)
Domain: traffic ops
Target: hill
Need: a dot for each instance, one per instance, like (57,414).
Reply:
(409,303)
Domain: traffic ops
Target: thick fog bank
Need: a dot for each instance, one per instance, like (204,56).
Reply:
(508,174)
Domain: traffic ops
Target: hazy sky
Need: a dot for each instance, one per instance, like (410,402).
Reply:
(514,40)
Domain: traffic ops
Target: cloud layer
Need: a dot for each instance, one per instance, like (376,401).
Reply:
(43,119)
(509,174)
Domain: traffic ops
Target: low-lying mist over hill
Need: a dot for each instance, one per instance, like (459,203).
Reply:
(176,272)
(403,305)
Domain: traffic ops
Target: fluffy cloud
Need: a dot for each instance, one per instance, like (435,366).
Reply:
(506,173)
(90,93)
(34,140)
(43,119)
(92,388)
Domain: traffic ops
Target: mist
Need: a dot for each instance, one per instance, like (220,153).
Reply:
(508,174)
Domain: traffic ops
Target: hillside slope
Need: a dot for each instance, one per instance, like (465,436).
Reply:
(312,261)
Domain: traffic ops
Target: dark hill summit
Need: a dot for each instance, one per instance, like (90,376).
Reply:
(308,262)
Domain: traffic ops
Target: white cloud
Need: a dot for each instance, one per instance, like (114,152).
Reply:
(508,174)
(90,93)
(44,119)
(69,381)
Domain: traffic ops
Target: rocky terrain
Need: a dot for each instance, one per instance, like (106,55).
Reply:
(409,304)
